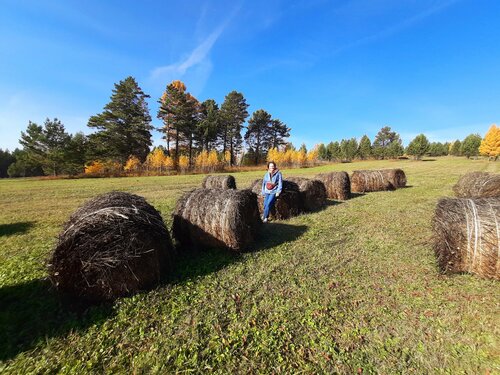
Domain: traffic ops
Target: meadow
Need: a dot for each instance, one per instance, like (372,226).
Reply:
(353,288)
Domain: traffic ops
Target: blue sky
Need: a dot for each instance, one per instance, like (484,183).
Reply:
(328,69)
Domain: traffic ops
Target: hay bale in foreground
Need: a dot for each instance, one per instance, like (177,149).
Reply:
(478,185)
(337,185)
(364,181)
(466,236)
(114,245)
(287,204)
(219,182)
(216,218)
(312,192)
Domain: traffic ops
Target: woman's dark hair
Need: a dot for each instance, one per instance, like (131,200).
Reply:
(271,162)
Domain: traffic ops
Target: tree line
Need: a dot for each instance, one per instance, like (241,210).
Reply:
(199,135)
(388,145)
(122,132)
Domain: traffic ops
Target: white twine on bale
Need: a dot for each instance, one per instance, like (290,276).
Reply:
(477,232)
(497,229)
(110,210)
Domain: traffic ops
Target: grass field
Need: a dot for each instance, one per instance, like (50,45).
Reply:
(351,288)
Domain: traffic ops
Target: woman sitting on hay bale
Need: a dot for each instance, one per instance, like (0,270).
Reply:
(272,184)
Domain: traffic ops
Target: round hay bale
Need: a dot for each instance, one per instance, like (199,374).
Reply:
(219,182)
(365,181)
(112,246)
(216,218)
(466,236)
(396,177)
(337,185)
(312,192)
(287,205)
(478,185)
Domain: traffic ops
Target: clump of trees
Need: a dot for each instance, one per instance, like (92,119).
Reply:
(387,145)
(202,136)
(198,135)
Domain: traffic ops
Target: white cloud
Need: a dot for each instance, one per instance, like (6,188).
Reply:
(196,68)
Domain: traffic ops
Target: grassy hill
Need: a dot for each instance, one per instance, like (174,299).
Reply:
(352,288)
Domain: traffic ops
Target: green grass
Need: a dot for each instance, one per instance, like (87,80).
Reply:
(354,286)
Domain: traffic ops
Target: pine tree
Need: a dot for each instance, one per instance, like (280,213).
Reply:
(365,147)
(76,154)
(233,115)
(257,134)
(6,159)
(123,128)
(278,133)
(418,146)
(348,149)
(322,152)
(333,149)
(455,148)
(490,145)
(470,145)
(180,112)
(387,143)
(47,145)
(208,128)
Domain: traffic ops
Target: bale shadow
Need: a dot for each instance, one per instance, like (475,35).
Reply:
(357,195)
(276,233)
(197,262)
(428,160)
(15,228)
(32,311)
(333,202)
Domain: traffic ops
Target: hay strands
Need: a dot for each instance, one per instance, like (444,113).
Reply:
(467,236)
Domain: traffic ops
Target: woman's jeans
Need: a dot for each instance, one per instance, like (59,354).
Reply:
(269,200)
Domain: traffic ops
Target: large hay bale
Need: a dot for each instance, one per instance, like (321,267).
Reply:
(312,192)
(337,185)
(365,181)
(396,177)
(216,218)
(478,185)
(466,236)
(287,205)
(219,182)
(114,245)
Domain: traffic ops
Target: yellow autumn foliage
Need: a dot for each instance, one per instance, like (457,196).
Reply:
(490,145)
(133,164)
(312,156)
(227,157)
(95,167)
(183,162)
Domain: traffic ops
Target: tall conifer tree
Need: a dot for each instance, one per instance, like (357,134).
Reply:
(123,128)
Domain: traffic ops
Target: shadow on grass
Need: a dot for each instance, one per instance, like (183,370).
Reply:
(30,312)
(15,228)
(276,233)
(357,195)
(333,202)
(191,263)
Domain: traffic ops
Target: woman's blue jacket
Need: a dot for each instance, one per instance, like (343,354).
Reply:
(276,179)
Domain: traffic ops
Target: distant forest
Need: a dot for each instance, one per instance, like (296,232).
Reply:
(199,136)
